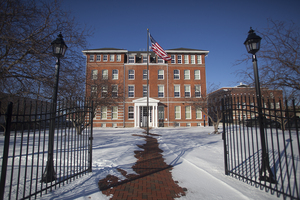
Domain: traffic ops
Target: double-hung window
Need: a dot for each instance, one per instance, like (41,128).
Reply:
(144,59)
(173,59)
(92,57)
(177,112)
(198,113)
(105,57)
(186,59)
(115,74)
(188,112)
(144,74)
(131,74)
(118,58)
(197,91)
(103,112)
(130,112)
(130,59)
(160,74)
(179,59)
(145,91)
(176,74)
(193,59)
(94,90)
(105,74)
(114,112)
(98,58)
(176,90)
(187,91)
(114,91)
(112,58)
(130,90)
(94,74)
(160,91)
(104,91)
(186,74)
(197,74)
(199,59)
(160,60)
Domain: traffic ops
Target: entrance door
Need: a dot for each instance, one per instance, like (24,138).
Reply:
(143,116)
(161,116)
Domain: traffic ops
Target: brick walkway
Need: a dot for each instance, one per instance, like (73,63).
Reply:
(153,178)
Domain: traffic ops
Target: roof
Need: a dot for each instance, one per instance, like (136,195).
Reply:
(187,50)
(105,50)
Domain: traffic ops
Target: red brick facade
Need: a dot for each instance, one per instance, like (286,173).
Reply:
(172,86)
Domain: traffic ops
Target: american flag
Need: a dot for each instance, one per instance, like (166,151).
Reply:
(159,50)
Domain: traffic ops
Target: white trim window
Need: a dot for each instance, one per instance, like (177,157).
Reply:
(176,74)
(186,74)
(161,91)
(131,59)
(198,113)
(197,74)
(160,60)
(111,58)
(179,59)
(198,91)
(186,59)
(104,91)
(94,90)
(173,61)
(98,58)
(115,74)
(187,91)
(94,74)
(160,74)
(104,112)
(118,58)
(130,90)
(114,112)
(176,90)
(104,74)
(199,59)
(130,112)
(193,59)
(131,74)
(177,112)
(145,91)
(114,91)
(105,58)
(144,74)
(188,112)
(144,58)
(92,57)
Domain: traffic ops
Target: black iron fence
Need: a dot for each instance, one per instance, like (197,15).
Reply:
(277,169)
(25,139)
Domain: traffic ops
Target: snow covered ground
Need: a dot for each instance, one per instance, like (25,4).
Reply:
(196,155)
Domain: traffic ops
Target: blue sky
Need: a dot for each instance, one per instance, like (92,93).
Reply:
(219,26)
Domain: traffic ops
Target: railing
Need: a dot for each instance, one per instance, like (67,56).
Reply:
(278,169)
(25,147)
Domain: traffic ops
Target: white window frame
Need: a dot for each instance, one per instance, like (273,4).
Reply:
(114,91)
(144,58)
(186,75)
(176,91)
(179,59)
(111,58)
(104,75)
(177,75)
(98,58)
(160,60)
(177,112)
(198,113)
(145,74)
(104,91)
(130,92)
(105,58)
(186,59)
(92,57)
(197,74)
(187,91)
(173,60)
(199,59)
(160,74)
(115,74)
(144,90)
(197,90)
(188,112)
(119,58)
(161,91)
(193,59)
(131,76)
(94,90)
(114,113)
(131,59)
(130,112)
(94,74)
(103,112)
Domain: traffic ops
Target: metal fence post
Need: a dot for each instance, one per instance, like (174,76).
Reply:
(6,148)
(224,138)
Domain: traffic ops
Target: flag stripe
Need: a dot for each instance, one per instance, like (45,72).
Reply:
(159,50)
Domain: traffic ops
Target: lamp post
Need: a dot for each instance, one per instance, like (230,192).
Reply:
(252,44)
(59,49)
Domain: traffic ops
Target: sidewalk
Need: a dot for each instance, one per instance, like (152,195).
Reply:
(153,178)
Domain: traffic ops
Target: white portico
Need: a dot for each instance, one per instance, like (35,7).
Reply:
(140,112)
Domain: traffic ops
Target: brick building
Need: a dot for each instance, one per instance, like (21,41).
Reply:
(172,86)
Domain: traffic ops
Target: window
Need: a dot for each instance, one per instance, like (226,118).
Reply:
(186,74)
(197,74)
(93,90)
(176,74)
(105,58)
(145,59)
(199,59)
(144,74)
(131,91)
(131,59)
(103,112)
(160,74)
(177,112)
(105,74)
(115,74)
(173,59)
(144,90)
(187,91)
(114,91)
(188,112)
(186,59)
(179,59)
(92,58)
(98,58)
(192,59)
(118,58)
(197,91)
(160,91)
(160,60)
(131,74)
(198,113)
(176,90)
(104,91)
(94,74)
(111,58)
(114,112)
(130,112)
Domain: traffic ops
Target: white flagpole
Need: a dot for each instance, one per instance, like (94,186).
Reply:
(147,81)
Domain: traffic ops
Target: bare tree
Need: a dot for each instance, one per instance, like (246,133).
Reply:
(279,60)
(27,28)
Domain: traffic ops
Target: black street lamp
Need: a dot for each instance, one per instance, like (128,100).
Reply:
(59,49)
(252,44)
